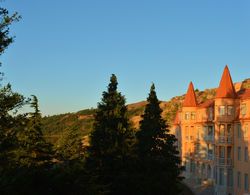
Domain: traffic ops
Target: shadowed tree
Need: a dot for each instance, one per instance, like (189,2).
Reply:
(5,21)
(10,121)
(159,164)
(33,150)
(111,139)
(69,147)
(10,101)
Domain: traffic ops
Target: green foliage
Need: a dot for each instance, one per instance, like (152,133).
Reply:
(158,162)
(5,39)
(10,120)
(54,126)
(69,146)
(33,150)
(110,140)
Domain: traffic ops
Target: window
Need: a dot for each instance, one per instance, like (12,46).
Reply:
(222,110)
(210,113)
(222,130)
(243,109)
(229,129)
(239,179)
(239,153)
(198,132)
(239,130)
(197,148)
(246,182)
(193,115)
(222,151)
(230,110)
(186,132)
(246,154)
(221,176)
(187,116)
(230,177)
(210,131)
(191,132)
(229,152)
(246,131)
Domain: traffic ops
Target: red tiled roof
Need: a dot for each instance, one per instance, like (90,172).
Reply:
(226,87)
(244,94)
(207,104)
(190,98)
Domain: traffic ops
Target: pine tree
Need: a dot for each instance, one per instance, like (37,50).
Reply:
(10,121)
(159,163)
(69,147)
(5,21)
(33,150)
(10,102)
(111,138)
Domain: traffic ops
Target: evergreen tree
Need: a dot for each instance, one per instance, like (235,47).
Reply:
(5,21)
(159,164)
(110,139)
(10,121)
(69,147)
(10,102)
(33,150)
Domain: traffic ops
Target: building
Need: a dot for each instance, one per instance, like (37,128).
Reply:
(213,138)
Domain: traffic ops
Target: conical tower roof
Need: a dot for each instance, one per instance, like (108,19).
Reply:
(226,88)
(190,98)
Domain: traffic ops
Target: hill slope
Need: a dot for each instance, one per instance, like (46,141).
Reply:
(53,126)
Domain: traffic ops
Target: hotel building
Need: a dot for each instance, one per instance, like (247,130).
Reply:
(214,140)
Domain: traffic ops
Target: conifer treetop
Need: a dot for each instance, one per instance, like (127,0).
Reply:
(113,83)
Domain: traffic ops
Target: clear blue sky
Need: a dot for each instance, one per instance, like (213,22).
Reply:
(65,51)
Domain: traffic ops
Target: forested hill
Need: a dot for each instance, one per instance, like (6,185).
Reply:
(54,126)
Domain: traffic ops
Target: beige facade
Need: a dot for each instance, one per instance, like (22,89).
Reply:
(213,138)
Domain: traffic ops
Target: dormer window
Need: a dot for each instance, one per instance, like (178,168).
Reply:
(187,116)
(222,110)
(193,115)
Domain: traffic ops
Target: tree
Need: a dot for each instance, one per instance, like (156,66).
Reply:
(10,121)
(10,102)
(110,139)
(159,164)
(5,21)
(69,147)
(33,150)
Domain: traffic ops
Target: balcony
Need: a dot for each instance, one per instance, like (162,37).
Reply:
(210,156)
(209,138)
(225,140)
(224,161)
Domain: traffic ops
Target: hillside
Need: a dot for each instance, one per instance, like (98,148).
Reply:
(83,120)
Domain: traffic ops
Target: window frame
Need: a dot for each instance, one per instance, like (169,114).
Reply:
(220,110)
(230,111)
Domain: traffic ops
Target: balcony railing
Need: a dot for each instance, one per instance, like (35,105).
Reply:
(210,156)
(225,139)
(209,138)
(225,161)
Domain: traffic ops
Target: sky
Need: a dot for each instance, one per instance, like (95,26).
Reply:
(65,51)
